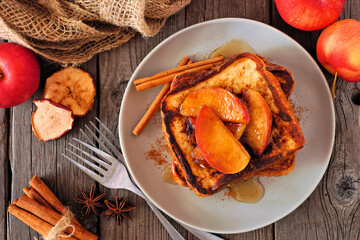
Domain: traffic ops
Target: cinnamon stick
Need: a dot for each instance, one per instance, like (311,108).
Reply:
(52,217)
(36,183)
(48,195)
(34,222)
(168,78)
(155,105)
(32,193)
(179,69)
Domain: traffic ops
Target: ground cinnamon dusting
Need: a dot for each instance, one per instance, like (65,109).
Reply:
(158,152)
(298,111)
(228,194)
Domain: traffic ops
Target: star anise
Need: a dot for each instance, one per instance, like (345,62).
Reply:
(91,202)
(118,209)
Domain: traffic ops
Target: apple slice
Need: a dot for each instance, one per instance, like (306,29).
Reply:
(50,120)
(257,134)
(72,88)
(226,105)
(237,129)
(218,145)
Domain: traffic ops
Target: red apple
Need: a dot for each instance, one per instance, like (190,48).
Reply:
(309,15)
(19,74)
(217,144)
(226,105)
(338,49)
(257,133)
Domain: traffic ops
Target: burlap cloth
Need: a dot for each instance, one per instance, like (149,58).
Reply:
(72,31)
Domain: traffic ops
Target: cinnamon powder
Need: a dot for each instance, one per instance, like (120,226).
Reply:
(228,194)
(158,152)
(298,111)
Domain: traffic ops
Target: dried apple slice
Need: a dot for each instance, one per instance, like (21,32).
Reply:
(50,120)
(72,88)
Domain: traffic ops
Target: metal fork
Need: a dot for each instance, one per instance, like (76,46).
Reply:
(112,173)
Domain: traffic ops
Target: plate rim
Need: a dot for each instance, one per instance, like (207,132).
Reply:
(314,63)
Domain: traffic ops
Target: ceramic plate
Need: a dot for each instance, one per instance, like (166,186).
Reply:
(220,213)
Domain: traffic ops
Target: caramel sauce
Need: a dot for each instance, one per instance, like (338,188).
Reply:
(247,190)
(166,175)
(232,47)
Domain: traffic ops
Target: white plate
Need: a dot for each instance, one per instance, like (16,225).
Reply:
(219,213)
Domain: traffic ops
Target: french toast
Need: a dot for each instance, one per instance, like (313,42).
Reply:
(279,168)
(236,74)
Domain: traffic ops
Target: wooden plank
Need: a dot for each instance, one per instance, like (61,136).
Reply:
(4,162)
(70,180)
(116,67)
(21,163)
(4,169)
(29,156)
(332,210)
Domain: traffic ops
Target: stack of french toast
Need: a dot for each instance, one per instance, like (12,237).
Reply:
(231,122)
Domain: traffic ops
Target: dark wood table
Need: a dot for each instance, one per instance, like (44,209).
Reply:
(331,212)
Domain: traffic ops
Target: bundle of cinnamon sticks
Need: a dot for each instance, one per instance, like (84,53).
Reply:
(166,77)
(40,209)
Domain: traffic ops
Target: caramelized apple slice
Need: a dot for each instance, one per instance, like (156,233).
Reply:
(72,88)
(218,145)
(226,105)
(237,129)
(257,134)
(50,120)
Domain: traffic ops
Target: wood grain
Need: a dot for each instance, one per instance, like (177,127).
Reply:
(4,170)
(331,212)
(116,68)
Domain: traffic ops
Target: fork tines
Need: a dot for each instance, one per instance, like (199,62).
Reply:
(104,144)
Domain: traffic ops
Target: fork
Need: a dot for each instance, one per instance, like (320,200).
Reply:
(112,173)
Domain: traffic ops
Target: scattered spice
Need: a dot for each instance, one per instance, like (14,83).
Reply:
(158,152)
(118,209)
(91,202)
(228,194)
(299,111)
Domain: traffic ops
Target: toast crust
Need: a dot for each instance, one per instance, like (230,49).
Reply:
(236,74)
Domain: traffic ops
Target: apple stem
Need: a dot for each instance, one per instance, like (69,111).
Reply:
(1,74)
(333,86)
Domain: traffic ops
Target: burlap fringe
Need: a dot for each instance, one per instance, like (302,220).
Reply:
(71,32)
